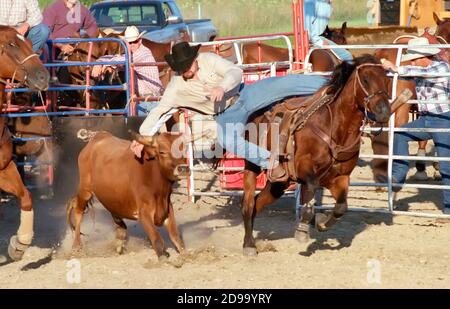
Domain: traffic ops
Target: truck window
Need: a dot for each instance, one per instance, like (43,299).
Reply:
(174,9)
(127,14)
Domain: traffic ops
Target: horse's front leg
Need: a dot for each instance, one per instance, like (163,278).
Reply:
(11,182)
(306,214)
(339,190)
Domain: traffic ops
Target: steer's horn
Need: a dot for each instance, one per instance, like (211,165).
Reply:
(144,140)
(401,99)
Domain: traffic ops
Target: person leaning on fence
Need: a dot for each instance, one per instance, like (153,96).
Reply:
(147,77)
(26,17)
(67,17)
(209,84)
(432,116)
(317,15)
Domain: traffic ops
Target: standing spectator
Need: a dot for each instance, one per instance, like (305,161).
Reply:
(66,17)
(26,17)
(432,116)
(317,15)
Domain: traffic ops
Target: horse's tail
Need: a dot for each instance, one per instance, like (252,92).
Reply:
(86,135)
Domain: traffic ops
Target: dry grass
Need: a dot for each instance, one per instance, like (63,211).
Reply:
(246,17)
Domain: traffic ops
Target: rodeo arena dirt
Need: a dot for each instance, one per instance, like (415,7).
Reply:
(384,240)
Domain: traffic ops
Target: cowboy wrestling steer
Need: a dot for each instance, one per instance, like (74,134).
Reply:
(130,187)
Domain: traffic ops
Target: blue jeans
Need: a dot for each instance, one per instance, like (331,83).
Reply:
(143,108)
(441,142)
(38,36)
(341,52)
(254,97)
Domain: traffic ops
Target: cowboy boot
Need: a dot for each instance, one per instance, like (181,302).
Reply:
(276,171)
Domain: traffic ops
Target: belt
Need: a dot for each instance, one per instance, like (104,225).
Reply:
(232,100)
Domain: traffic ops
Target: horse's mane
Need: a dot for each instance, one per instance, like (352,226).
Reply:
(342,72)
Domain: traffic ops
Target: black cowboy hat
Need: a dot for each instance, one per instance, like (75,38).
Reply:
(182,56)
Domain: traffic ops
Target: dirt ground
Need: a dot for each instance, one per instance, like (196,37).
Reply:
(364,250)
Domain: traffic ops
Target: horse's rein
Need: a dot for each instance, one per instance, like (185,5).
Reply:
(18,64)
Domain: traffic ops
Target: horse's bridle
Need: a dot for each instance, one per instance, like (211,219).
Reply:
(19,64)
(368,96)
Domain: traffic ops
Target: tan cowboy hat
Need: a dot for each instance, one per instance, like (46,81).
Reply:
(417,49)
(132,34)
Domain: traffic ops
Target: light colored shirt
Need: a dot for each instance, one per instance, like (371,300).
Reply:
(317,15)
(16,12)
(214,71)
(147,77)
(63,23)
(431,88)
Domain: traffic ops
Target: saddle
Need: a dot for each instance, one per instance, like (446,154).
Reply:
(291,115)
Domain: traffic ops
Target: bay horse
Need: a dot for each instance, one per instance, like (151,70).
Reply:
(324,151)
(320,59)
(21,65)
(76,75)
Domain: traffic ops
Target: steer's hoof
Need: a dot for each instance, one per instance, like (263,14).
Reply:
(16,249)
(320,222)
(302,236)
(120,246)
(250,251)
(163,258)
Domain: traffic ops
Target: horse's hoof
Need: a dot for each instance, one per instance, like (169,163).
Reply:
(320,219)
(420,176)
(437,176)
(250,251)
(16,249)
(302,236)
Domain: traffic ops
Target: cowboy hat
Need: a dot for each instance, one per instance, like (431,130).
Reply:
(417,49)
(132,34)
(182,56)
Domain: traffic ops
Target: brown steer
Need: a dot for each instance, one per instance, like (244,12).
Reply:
(129,187)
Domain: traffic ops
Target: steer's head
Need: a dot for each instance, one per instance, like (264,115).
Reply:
(169,150)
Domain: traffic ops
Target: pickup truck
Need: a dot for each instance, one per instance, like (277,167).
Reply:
(160,18)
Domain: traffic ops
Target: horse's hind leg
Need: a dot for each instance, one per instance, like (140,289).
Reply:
(248,213)
(339,190)
(306,214)
(121,234)
(420,165)
(11,182)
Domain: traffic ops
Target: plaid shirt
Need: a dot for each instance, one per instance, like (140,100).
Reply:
(16,12)
(148,82)
(431,88)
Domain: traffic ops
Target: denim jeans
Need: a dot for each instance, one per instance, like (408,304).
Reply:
(254,97)
(341,52)
(143,108)
(38,36)
(441,142)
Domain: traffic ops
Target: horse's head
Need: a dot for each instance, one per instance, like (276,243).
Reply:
(366,84)
(336,35)
(443,27)
(19,62)
(371,90)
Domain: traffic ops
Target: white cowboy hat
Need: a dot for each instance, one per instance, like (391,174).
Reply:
(132,34)
(417,49)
